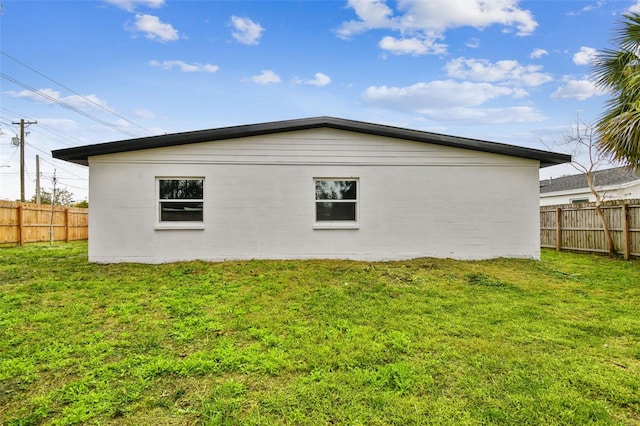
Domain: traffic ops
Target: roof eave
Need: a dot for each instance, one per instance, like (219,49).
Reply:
(585,189)
(80,155)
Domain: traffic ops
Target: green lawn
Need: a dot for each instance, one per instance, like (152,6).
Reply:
(426,341)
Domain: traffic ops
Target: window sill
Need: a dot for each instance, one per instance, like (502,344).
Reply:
(336,225)
(177,225)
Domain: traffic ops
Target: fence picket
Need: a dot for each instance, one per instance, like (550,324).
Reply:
(578,228)
(22,223)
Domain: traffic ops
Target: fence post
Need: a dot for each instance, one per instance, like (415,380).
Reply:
(558,229)
(20,224)
(626,237)
(67,224)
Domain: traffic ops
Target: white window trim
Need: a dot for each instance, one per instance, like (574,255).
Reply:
(337,224)
(177,225)
(163,226)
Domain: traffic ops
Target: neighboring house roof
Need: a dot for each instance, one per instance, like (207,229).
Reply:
(81,154)
(601,178)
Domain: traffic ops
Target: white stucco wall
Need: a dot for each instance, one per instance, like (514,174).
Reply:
(415,200)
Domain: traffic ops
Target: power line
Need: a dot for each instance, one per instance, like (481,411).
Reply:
(78,177)
(15,114)
(102,107)
(67,184)
(56,167)
(61,137)
(64,104)
(53,164)
(66,170)
(11,124)
(11,158)
(6,123)
(55,134)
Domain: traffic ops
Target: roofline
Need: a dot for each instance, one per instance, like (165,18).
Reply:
(611,187)
(81,154)
(577,191)
(622,177)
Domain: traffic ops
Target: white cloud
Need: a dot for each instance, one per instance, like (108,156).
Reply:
(585,56)
(185,67)
(245,30)
(435,94)
(85,101)
(319,80)
(538,53)
(155,29)
(427,21)
(50,97)
(473,43)
(449,100)
(444,15)
(373,14)
(635,8)
(586,9)
(130,5)
(577,89)
(507,71)
(43,96)
(144,114)
(517,114)
(62,124)
(266,77)
(412,46)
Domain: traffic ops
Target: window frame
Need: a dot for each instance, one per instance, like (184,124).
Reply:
(578,201)
(337,224)
(178,224)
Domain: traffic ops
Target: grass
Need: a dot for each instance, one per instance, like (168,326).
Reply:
(426,341)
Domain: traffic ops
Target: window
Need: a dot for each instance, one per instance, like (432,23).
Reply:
(579,200)
(336,201)
(180,200)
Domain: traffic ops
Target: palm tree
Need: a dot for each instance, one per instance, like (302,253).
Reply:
(617,71)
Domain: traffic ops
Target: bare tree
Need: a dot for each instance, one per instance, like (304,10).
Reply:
(53,204)
(583,142)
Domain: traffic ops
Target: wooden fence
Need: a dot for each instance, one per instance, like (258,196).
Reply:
(578,228)
(22,223)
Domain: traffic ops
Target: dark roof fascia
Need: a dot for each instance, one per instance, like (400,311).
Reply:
(81,154)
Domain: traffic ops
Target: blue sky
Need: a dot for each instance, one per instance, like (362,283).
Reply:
(509,71)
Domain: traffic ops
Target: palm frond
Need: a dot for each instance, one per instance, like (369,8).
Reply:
(617,71)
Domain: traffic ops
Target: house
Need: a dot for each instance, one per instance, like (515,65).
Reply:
(310,188)
(618,183)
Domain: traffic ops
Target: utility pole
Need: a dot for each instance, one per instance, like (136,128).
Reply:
(22,123)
